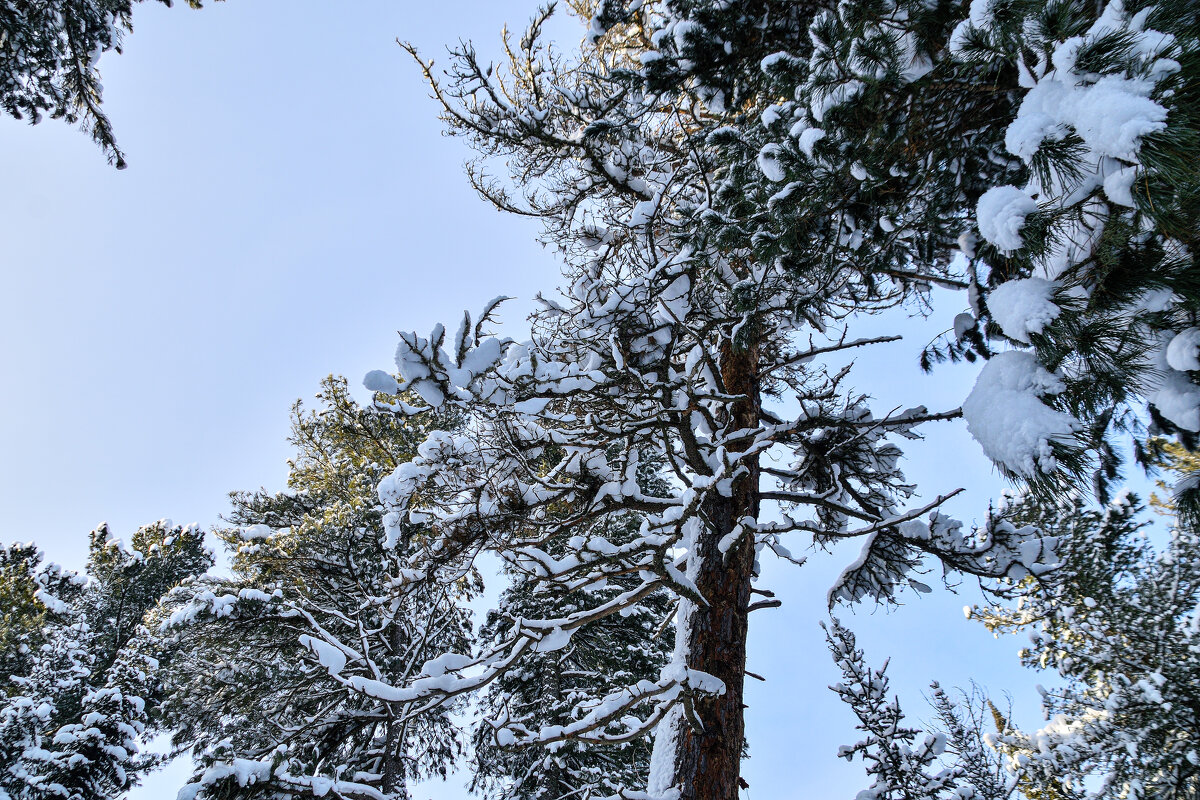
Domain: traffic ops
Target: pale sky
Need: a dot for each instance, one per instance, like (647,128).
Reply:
(290,203)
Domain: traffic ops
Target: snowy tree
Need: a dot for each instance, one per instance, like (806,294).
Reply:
(49,54)
(24,581)
(1119,623)
(908,763)
(542,688)
(274,673)
(74,713)
(671,339)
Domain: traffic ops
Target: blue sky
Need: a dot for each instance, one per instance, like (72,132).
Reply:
(290,203)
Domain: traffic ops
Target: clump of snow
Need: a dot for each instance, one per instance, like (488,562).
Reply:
(1110,115)
(1118,186)
(556,639)
(1178,399)
(966,243)
(1005,413)
(252,533)
(768,162)
(1183,350)
(980,16)
(808,139)
(962,323)
(1022,307)
(1001,214)
(331,658)
(379,381)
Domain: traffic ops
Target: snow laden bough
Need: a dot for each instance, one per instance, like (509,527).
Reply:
(1091,256)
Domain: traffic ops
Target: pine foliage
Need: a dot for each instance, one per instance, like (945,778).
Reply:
(1119,623)
(543,688)
(906,763)
(49,54)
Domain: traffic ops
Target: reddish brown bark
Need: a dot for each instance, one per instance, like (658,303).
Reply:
(708,761)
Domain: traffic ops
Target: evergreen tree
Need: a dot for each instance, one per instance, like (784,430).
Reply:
(1118,622)
(84,689)
(906,763)
(28,587)
(275,673)
(49,54)
(668,338)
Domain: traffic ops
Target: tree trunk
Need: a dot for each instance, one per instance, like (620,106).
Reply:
(394,784)
(705,764)
(552,774)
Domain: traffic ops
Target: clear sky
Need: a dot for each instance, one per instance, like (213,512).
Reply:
(289,204)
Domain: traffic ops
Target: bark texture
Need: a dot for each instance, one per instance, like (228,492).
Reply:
(708,760)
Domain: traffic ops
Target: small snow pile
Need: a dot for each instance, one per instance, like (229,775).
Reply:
(1110,115)
(1183,350)
(808,139)
(1171,391)
(980,17)
(1006,415)
(1118,186)
(379,381)
(331,658)
(1022,307)
(255,533)
(1001,214)
(768,162)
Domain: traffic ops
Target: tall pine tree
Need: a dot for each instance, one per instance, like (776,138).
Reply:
(672,338)
(272,672)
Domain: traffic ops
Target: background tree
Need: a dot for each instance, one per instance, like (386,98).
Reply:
(1118,623)
(29,588)
(544,687)
(49,54)
(272,671)
(906,763)
(73,714)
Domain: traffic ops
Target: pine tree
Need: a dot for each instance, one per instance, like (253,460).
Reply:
(49,51)
(274,673)
(27,585)
(907,763)
(1049,142)
(1118,622)
(668,338)
(85,688)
